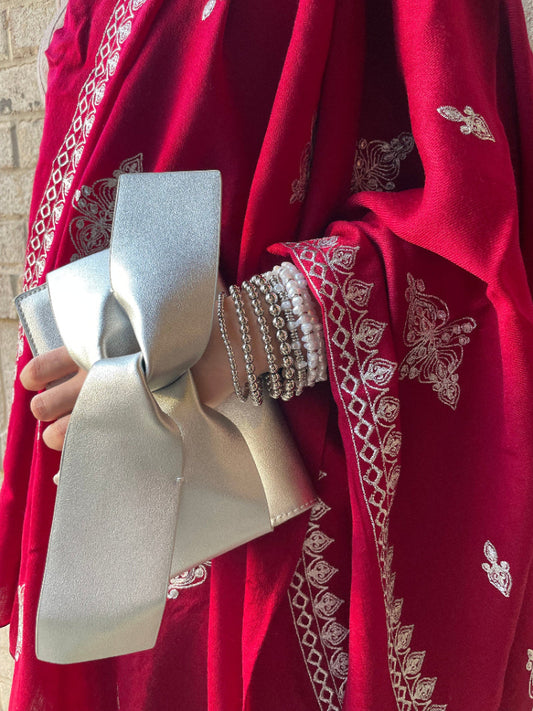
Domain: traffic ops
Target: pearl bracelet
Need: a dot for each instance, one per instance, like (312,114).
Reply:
(295,365)
(306,319)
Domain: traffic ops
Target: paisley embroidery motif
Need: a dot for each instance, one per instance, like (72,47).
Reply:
(323,640)
(353,338)
(377,163)
(472,122)
(498,573)
(91,231)
(436,344)
(189,579)
(300,185)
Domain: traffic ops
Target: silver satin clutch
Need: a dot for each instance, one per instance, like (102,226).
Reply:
(151,482)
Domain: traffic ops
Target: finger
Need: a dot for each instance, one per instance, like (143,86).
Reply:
(47,368)
(59,400)
(54,435)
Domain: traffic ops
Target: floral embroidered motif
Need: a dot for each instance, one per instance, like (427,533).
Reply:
(64,166)
(498,573)
(377,163)
(473,123)
(208,9)
(20,628)
(189,579)
(529,668)
(300,185)
(353,338)
(323,640)
(436,344)
(91,231)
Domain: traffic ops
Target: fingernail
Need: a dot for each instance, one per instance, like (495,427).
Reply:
(55,478)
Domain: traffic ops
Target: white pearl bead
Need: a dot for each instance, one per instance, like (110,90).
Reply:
(298,310)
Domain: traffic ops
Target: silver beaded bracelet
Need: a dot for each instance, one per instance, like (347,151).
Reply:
(256,393)
(294,365)
(273,378)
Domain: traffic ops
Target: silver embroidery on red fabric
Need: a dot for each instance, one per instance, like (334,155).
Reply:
(529,668)
(498,572)
(436,343)
(90,231)
(300,185)
(323,640)
(64,166)
(189,579)
(208,9)
(377,163)
(472,122)
(363,378)
(20,627)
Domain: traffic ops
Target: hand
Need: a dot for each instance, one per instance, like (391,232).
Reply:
(60,379)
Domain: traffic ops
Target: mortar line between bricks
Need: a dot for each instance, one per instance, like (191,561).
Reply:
(8,35)
(17,61)
(14,218)
(36,115)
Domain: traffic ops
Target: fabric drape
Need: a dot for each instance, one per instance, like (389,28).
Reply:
(385,147)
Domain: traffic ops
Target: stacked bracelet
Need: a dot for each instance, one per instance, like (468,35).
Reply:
(297,328)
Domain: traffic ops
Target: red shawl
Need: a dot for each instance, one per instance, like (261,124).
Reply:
(386,147)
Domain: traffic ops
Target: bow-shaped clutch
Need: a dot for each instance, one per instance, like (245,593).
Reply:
(151,482)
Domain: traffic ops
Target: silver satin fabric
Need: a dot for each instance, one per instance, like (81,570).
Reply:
(151,482)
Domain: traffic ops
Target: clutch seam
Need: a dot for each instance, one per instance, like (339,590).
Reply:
(22,316)
(289,514)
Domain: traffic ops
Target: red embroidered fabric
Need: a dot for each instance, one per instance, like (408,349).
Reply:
(386,148)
